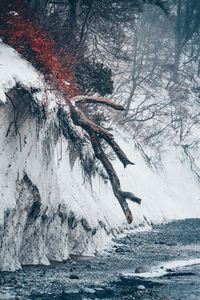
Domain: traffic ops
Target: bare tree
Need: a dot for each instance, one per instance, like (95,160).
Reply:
(149,53)
(187,24)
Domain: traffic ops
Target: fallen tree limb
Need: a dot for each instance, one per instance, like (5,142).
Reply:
(114,180)
(97,100)
(96,134)
(80,119)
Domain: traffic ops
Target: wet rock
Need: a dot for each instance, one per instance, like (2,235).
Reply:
(89,290)
(141,287)
(143,269)
(160,243)
(71,291)
(74,276)
(169,270)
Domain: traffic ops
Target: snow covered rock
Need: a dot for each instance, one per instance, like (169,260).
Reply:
(48,207)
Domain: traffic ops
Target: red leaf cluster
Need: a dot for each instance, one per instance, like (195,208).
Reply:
(19,30)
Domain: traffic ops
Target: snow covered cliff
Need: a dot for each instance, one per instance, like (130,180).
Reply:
(49,209)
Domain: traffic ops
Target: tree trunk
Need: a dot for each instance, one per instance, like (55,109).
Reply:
(178,41)
(74,11)
(130,98)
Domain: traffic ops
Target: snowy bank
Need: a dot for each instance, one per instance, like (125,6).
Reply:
(49,209)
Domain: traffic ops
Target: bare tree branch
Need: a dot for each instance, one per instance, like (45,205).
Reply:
(97,100)
(96,133)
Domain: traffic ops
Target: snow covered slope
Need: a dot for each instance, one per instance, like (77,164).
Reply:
(48,209)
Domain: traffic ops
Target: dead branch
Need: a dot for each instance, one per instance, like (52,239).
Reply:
(97,100)
(80,119)
(96,133)
(114,180)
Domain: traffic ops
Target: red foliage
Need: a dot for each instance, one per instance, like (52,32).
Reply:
(20,31)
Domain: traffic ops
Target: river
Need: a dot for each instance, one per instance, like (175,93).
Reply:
(169,255)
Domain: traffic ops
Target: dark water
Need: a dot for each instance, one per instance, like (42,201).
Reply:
(112,275)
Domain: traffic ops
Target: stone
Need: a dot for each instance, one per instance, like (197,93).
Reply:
(73,276)
(89,290)
(71,291)
(141,287)
(143,269)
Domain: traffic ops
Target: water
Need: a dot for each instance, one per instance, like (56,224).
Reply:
(170,253)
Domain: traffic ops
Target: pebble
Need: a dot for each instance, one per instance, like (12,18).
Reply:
(141,287)
(71,291)
(89,290)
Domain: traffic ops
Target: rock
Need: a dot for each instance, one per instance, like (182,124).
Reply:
(141,287)
(73,276)
(170,270)
(89,290)
(143,269)
(71,291)
(160,243)
(73,267)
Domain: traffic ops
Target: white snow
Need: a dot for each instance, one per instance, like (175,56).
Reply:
(163,268)
(171,191)
(14,69)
